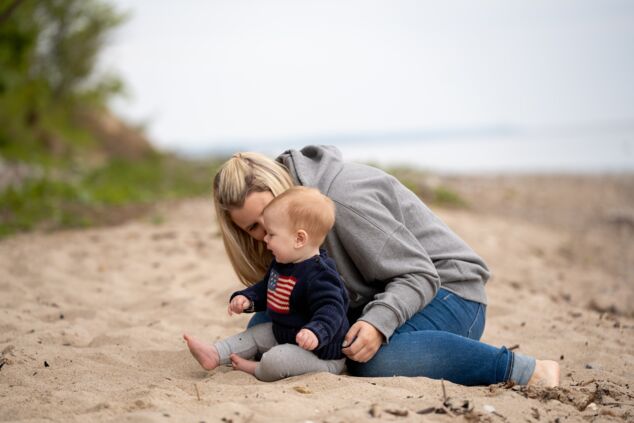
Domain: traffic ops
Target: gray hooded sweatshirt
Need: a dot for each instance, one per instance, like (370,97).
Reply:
(391,250)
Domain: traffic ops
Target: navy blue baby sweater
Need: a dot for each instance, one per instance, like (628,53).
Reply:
(310,295)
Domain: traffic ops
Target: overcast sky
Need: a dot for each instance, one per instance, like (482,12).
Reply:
(201,72)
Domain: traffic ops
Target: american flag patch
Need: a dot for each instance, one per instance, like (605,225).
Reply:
(279,292)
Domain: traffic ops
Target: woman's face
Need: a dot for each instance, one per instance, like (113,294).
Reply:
(249,216)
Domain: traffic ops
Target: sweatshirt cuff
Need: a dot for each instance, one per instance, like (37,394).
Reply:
(383,319)
(235,294)
(251,308)
(320,332)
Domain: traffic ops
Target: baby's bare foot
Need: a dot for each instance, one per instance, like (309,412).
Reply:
(546,374)
(239,363)
(205,354)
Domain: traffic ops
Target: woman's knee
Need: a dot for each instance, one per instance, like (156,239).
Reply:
(477,326)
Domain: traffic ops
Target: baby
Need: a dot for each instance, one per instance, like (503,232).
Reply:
(301,292)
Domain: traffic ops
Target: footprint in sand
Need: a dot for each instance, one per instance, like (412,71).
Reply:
(104,340)
(67,315)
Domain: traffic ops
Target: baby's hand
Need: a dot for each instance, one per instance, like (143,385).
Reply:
(307,339)
(238,304)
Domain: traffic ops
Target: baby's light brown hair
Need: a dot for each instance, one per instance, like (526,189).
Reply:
(307,209)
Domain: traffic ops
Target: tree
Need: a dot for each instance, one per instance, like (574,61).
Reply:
(48,53)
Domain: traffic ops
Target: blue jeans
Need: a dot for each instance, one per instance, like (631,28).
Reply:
(442,342)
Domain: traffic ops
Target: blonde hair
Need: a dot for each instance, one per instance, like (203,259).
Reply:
(307,209)
(239,176)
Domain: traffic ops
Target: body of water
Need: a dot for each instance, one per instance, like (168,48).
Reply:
(535,154)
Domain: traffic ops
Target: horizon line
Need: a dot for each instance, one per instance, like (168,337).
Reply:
(226,144)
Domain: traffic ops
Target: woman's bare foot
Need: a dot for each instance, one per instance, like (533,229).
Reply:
(205,354)
(239,363)
(546,374)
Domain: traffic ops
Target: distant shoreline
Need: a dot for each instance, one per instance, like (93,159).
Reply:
(494,150)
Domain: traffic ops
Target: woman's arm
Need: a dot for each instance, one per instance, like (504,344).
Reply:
(391,260)
(396,265)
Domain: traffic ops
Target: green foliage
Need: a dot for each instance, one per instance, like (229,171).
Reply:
(54,122)
(36,200)
(73,32)
(158,177)
(50,94)
(120,189)
(418,182)
(48,51)
(444,196)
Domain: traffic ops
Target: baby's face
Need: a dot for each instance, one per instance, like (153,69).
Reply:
(280,239)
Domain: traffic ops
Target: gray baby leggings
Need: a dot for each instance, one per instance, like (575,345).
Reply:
(278,360)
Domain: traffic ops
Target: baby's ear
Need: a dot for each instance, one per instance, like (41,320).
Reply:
(301,238)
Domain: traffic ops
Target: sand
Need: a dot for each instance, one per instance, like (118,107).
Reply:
(91,320)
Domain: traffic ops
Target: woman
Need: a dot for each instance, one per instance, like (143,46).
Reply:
(416,289)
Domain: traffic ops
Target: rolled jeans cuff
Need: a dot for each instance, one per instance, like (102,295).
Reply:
(523,368)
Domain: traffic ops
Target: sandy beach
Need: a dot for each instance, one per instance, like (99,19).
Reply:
(91,321)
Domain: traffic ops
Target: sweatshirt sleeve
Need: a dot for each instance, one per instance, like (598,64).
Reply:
(390,258)
(327,306)
(256,293)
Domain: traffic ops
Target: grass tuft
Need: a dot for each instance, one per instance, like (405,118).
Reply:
(108,194)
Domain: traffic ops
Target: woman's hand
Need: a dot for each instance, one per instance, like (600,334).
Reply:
(238,304)
(307,339)
(362,341)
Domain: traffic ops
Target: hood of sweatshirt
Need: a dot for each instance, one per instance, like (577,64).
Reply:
(313,166)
